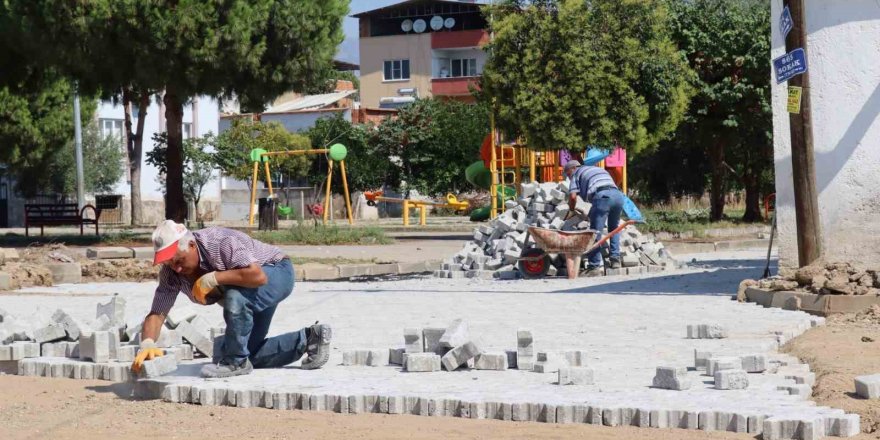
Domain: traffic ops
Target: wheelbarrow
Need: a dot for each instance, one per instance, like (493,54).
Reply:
(534,262)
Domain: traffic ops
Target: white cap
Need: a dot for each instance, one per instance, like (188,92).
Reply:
(165,239)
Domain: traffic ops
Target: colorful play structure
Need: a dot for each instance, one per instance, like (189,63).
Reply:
(421,205)
(336,153)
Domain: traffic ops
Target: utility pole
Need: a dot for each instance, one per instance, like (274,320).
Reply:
(806,203)
(77,140)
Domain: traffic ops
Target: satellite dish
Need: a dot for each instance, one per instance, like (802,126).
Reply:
(406,25)
(419,26)
(449,23)
(436,22)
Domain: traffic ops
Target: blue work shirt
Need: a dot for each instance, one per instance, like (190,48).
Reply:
(586,180)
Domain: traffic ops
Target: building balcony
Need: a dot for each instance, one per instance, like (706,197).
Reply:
(457,39)
(459,86)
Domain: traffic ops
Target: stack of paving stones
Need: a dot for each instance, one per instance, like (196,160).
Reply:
(497,246)
(102,349)
(452,348)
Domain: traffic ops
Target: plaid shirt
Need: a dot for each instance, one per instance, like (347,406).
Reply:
(219,249)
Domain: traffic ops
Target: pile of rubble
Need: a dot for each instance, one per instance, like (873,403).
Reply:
(497,246)
(451,348)
(103,348)
(823,279)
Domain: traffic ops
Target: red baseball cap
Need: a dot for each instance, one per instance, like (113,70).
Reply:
(165,239)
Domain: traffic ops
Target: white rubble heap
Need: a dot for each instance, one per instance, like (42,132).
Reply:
(497,246)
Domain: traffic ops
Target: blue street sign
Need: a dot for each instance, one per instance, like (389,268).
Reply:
(790,65)
(785,22)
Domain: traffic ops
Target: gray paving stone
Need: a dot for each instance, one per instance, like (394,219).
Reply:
(114,310)
(755,363)
(525,350)
(50,333)
(701,359)
(199,340)
(422,362)
(723,363)
(95,347)
(431,337)
(455,335)
(576,358)
(159,366)
(491,361)
(395,356)
(73,327)
(803,391)
(671,378)
(575,376)
(412,338)
(460,355)
(65,273)
(549,362)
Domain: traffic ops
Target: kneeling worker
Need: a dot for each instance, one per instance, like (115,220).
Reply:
(248,278)
(595,185)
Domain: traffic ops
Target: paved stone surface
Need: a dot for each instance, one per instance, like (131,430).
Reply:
(627,328)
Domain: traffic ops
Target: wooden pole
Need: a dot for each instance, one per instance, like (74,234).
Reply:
(806,203)
(253,193)
(493,170)
(345,188)
(327,205)
(268,178)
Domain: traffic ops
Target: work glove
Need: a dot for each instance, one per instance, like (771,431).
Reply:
(147,352)
(203,288)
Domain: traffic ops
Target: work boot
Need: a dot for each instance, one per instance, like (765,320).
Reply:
(593,271)
(317,346)
(614,262)
(227,368)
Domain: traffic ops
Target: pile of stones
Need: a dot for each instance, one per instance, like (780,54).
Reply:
(104,348)
(496,247)
(452,348)
(823,279)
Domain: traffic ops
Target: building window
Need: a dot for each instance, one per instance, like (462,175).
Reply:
(111,127)
(187,130)
(396,70)
(464,67)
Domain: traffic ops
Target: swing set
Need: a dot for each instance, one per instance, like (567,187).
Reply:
(336,153)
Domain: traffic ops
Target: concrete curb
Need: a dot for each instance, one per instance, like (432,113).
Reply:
(821,305)
(347,271)
(683,247)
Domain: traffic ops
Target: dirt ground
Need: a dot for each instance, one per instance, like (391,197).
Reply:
(848,346)
(38,408)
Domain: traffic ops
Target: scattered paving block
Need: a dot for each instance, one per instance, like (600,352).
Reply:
(126,353)
(706,331)
(756,363)
(847,425)
(395,356)
(412,339)
(95,347)
(114,344)
(159,366)
(70,325)
(525,350)
(168,338)
(455,335)
(868,387)
(431,337)
(511,359)
(377,358)
(5,353)
(576,358)
(723,363)
(178,315)
(460,355)
(49,333)
(671,378)
(549,362)
(491,361)
(109,253)
(731,380)
(422,362)
(800,390)
(65,273)
(199,340)
(52,349)
(113,310)
(575,376)
(701,359)
(182,352)
(131,331)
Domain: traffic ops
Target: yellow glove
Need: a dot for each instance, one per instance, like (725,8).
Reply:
(148,352)
(203,287)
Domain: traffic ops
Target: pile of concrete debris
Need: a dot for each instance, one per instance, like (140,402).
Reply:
(451,348)
(104,348)
(824,279)
(497,246)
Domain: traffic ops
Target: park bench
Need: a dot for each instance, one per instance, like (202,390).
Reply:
(58,214)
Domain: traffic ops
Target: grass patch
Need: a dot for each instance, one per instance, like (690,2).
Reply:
(114,238)
(692,220)
(324,235)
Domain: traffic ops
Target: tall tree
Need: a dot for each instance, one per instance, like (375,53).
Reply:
(727,43)
(103,159)
(572,73)
(255,49)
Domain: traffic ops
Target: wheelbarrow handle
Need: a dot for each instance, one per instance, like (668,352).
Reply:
(616,231)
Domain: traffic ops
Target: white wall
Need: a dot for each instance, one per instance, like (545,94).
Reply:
(151,191)
(844,65)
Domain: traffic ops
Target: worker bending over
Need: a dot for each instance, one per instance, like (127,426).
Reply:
(248,279)
(595,185)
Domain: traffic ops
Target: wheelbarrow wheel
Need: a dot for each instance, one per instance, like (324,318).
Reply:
(535,263)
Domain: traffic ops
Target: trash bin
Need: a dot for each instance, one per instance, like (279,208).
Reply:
(268,214)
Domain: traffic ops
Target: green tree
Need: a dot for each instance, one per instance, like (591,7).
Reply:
(366,166)
(198,164)
(36,124)
(572,73)
(233,150)
(255,49)
(102,159)
(727,43)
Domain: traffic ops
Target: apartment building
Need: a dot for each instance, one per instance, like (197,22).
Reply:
(420,48)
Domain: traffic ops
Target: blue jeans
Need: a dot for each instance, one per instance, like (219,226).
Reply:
(607,206)
(248,313)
